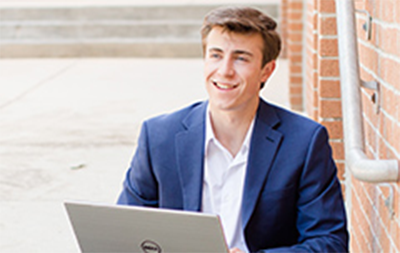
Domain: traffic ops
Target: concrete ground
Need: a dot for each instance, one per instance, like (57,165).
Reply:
(47,3)
(68,129)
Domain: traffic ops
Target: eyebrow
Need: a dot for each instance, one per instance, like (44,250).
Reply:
(242,52)
(235,52)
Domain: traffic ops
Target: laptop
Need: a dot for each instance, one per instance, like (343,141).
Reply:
(119,228)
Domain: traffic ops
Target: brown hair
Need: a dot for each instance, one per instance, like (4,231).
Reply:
(244,20)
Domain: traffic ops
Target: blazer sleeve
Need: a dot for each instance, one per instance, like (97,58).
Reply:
(321,220)
(140,186)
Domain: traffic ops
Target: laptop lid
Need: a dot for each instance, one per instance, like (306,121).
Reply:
(117,228)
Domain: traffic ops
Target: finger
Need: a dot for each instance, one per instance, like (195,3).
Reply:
(235,250)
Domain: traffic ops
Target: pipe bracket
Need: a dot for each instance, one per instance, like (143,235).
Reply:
(367,26)
(389,203)
(376,97)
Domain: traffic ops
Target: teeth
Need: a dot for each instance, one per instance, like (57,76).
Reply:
(224,86)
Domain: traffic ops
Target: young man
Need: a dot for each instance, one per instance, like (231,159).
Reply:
(267,172)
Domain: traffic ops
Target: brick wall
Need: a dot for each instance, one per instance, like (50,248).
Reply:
(322,85)
(372,226)
(294,47)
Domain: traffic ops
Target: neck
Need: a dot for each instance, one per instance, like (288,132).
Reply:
(230,127)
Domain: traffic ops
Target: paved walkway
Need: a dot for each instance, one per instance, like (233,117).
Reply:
(68,129)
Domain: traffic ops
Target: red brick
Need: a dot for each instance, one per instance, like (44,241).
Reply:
(315,42)
(383,238)
(388,10)
(330,109)
(362,223)
(315,3)
(337,150)
(397,43)
(356,235)
(326,6)
(388,38)
(328,47)
(295,79)
(329,88)
(398,109)
(396,229)
(389,101)
(294,48)
(296,58)
(328,67)
(368,193)
(295,68)
(370,135)
(295,26)
(296,89)
(360,5)
(295,5)
(315,80)
(397,16)
(385,152)
(388,131)
(375,7)
(390,71)
(296,100)
(369,58)
(315,21)
(295,36)
(295,15)
(327,25)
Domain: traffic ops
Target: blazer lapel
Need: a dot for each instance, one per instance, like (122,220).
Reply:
(264,144)
(190,152)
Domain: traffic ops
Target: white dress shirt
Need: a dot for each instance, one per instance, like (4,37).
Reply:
(223,184)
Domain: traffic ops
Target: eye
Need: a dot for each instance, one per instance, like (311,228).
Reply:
(242,58)
(215,56)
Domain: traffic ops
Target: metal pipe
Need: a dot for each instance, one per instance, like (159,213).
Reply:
(360,165)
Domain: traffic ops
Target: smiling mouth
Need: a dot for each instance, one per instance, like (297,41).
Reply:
(224,86)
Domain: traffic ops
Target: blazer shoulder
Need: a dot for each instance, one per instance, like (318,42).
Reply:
(175,116)
(294,119)
(170,123)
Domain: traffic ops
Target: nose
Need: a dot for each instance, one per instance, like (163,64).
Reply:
(226,67)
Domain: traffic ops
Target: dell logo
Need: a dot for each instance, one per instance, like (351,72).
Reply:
(150,247)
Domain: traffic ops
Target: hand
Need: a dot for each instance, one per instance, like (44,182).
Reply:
(235,250)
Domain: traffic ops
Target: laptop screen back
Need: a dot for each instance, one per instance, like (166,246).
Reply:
(113,228)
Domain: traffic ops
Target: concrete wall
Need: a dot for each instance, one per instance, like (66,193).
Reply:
(374,219)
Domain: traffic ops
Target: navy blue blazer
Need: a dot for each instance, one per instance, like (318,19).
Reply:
(292,200)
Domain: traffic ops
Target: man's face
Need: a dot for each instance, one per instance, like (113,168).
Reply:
(233,69)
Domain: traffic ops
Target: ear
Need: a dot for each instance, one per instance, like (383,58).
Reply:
(267,70)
